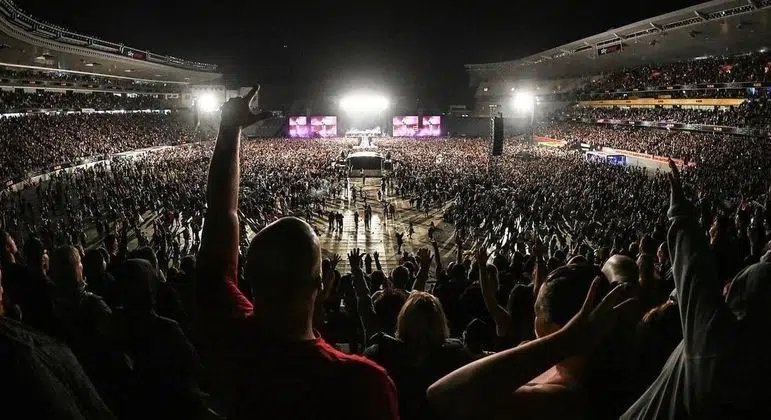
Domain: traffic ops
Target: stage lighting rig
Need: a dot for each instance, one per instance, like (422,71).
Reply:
(364,103)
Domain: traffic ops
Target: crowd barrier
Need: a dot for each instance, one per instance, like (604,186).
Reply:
(656,158)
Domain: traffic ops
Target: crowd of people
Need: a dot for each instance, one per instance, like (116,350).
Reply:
(23,76)
(753,114)
(751,67)
(15,101)
(31,142)
(577,289)
(691,146)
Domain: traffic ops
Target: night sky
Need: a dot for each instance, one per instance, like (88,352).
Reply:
(417,47)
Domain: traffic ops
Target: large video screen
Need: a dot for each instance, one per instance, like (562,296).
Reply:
(432,126)
(298,126)
(323,126)
(408,126)
(405,126)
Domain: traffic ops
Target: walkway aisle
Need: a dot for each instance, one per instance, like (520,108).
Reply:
(382,237)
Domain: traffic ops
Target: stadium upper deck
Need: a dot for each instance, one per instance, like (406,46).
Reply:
(715,28)
(29,42)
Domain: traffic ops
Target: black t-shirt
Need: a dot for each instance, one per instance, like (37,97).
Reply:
(412,379)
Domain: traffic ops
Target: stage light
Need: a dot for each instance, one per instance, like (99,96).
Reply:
(523,101)
(364,103)
(207,102)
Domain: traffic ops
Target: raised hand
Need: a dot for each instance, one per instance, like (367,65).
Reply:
(482,257)
(595,320)
(425,257)
(376,255)
(674,180)
(237,112)
(334,261)
(354,259)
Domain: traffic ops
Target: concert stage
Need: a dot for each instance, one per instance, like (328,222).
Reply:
(371,163)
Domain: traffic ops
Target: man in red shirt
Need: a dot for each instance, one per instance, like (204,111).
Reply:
(264,357)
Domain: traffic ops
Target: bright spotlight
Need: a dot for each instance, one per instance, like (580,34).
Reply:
(523,101)
(364,103)
(207,102)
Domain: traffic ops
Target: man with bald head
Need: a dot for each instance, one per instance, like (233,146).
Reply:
(264,357)
(283,266)
(621,269)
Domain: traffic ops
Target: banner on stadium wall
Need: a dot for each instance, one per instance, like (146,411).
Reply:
(137,55)
(609,49)
(663,101)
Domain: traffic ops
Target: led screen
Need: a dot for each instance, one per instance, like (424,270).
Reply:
(408,126)
(298,126)
(432,126)
(405,126)
(324,126)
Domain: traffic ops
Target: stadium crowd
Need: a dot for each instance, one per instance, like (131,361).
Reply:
(579,290)
(35,141)
(752,67)
(691,146)
(14,101)
(749,114)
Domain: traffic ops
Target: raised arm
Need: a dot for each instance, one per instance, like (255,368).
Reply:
(488,281)
(424,259)
(701,304)
(437,259)
(218,257)
(488,386)
(364,306)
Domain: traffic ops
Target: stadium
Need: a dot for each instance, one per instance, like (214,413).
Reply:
(589,236)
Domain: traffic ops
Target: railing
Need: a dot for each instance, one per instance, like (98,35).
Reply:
(17,17)
(668,125)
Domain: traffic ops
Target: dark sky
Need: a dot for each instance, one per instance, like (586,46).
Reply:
(416,46)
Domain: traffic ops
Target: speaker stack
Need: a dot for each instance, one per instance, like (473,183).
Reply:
(496,128)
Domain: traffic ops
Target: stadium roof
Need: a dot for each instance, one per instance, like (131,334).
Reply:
(715,28)
(27,41)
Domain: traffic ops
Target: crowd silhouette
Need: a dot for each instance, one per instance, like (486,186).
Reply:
(190,281)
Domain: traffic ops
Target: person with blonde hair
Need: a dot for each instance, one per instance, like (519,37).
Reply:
(420,352)
(422,324)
